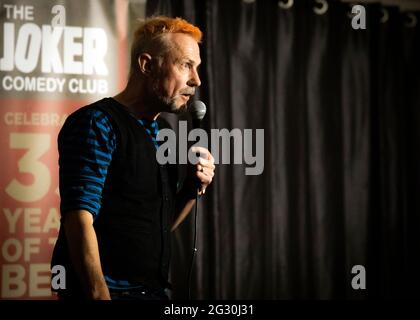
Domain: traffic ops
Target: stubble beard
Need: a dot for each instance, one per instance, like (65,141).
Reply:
(163,103)
(171,107)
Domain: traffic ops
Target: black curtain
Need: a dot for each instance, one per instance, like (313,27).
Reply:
(340,109)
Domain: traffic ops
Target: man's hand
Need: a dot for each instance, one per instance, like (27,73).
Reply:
(204,169)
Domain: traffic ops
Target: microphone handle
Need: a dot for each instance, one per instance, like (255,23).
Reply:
(196,124)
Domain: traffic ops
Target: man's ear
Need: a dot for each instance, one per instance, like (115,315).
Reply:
(145,63)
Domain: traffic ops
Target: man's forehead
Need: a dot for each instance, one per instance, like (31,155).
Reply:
(185,47)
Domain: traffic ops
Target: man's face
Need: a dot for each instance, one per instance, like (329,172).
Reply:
(177,77)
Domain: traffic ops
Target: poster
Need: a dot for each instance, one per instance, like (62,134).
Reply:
(55,56)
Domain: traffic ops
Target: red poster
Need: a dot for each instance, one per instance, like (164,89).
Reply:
(55,56)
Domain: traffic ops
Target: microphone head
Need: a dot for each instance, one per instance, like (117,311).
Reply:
(197,109)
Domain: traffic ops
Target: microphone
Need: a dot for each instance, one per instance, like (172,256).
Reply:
(197,110)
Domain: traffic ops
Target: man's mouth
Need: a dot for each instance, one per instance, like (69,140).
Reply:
(186,95)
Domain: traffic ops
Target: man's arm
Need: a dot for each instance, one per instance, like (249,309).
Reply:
(202,175)
(84,253)
(182,209)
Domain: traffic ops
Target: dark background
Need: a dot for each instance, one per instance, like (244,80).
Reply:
(341,182)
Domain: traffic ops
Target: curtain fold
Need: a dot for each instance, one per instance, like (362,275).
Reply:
(340,113)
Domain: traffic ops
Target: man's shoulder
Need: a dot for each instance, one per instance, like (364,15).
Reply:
(98,111)
(96,107)
(88,116)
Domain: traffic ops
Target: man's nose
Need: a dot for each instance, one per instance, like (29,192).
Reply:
(195,79)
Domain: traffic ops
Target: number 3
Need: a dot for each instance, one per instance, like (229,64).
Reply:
(37,144)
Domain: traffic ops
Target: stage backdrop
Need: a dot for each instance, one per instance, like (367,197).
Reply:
(55,56)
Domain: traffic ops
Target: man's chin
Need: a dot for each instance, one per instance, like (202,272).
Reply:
(172,106)
(179,109)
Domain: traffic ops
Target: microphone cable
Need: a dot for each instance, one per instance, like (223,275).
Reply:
(197,109)
(194,246)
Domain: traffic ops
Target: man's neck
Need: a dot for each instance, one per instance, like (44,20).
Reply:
(133,101)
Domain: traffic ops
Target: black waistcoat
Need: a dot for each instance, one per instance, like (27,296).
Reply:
(133,224)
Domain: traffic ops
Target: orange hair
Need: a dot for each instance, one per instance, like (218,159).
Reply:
(148,35)
(155,26)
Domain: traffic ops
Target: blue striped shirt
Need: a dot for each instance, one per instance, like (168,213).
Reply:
(85,155)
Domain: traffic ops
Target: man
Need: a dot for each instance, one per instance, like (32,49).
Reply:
(117,202)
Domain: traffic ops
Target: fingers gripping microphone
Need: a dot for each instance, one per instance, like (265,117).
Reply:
(197,110)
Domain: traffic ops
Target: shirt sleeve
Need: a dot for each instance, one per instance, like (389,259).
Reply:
(85,153)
